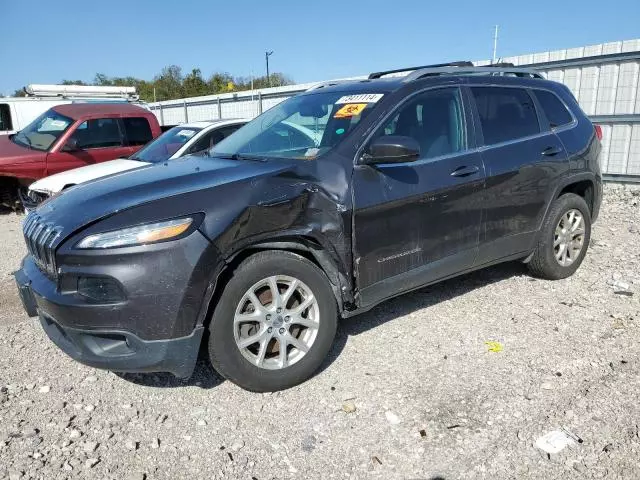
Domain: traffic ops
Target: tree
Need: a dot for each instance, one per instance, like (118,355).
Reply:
(169,83)
(219,82)
(73,82)
(194,85)
(20,93)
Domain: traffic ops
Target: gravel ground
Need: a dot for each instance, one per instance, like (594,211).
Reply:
(410,391)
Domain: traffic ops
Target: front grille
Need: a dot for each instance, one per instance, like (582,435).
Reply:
(40,237)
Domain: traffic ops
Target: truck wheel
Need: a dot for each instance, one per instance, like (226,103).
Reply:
(564,238)
(274,323)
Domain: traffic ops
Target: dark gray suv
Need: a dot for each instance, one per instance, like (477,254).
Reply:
(322,207)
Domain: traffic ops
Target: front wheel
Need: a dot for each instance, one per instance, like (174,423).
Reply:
(274,324)
(564,238)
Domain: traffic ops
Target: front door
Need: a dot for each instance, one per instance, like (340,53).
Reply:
(417,222)
(96,140)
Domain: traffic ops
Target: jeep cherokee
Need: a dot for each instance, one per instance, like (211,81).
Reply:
(267,241)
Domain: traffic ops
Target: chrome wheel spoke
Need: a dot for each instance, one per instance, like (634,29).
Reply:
(248,341)
(293,286)
(247,317)
(305,322)
(297,343)
(257,304)
(557,241)
(282,356)
(304,305)
(276,299)
(262,352)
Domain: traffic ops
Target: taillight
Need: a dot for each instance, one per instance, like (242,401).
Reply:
(598,130)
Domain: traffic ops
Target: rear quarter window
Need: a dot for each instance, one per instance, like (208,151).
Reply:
(137,130)
(555,111)
(505,113)
(5,117)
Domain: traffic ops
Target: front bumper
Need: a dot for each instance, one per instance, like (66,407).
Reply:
(157,327)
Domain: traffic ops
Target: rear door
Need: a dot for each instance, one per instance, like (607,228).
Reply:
(98,140)
(522,160)
(419,221)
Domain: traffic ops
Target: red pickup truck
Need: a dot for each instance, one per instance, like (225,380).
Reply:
(71,136)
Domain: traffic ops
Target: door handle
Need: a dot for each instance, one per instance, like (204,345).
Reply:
(551,151)
(465,171)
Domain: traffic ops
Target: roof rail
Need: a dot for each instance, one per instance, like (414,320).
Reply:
(462,63)
(329,83)
(471,70)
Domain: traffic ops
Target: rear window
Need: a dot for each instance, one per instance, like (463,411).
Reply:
(555,111)
(137,130)
(505,113)
(5,117)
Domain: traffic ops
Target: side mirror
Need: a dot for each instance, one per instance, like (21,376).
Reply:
(392,149)
(72,145)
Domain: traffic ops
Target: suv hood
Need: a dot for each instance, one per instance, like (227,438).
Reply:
(91,201)
(57,183)
(12,153)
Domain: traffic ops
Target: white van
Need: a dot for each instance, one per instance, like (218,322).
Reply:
(17,112)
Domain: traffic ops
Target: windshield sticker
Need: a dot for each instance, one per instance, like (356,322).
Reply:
(186,133)
(58,123)
(350,110)
(363,97)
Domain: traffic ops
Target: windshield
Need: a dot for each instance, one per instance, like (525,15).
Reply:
(163,147)
(43,131)
(303,127)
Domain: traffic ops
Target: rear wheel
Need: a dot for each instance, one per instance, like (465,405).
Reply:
(274,324)
(564,238)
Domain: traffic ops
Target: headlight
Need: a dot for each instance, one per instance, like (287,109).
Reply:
(143,234)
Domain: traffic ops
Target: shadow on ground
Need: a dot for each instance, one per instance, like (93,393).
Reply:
(206,377)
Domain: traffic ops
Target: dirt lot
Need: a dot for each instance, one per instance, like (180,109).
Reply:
(410,391)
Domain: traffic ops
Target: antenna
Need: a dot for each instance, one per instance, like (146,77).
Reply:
(494,59)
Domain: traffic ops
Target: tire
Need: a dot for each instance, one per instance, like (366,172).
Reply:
(544,263)
(241,365)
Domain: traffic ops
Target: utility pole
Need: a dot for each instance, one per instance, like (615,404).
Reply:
(495,45)
(267,54)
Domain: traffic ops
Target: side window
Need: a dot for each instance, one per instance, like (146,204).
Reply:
(555,111)
(5,117)
(434,119)
(137,130)
(201,144)
(210,139)
(505,113)
(98,133)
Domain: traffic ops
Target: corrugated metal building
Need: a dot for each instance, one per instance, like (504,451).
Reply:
(604,78)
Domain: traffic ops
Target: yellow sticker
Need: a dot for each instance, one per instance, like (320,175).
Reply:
(350,110)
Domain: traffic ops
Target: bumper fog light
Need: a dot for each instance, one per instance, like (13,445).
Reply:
(102,290)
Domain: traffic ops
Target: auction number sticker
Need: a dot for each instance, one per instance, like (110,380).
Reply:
(186,133)
(362,97)
(350,110)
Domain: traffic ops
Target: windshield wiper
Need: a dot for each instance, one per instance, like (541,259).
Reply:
(239,156)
